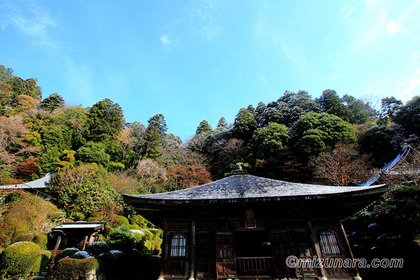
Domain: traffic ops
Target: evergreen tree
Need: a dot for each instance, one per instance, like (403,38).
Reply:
(154,136)
(203,127)
(52,102)
(105,120)
(244,124)
(222,123)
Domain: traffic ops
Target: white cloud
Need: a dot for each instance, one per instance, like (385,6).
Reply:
(33,20)
(392,27)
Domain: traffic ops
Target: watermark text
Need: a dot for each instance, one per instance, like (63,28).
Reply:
(315,262)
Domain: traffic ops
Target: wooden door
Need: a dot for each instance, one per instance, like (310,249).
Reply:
(225,256)
(206,265)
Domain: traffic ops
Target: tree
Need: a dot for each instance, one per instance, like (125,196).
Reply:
(389,108)
(378,141)
(83,191)
(52,102)
(342,166)
(105,120)
(314,131)
(409,116)
(203,127)
(331,103)
(222,124)
(244,124)
(154,135)
(134,136)
(13,146)
(292,105)
(151,174)
(93,152)
(269,141)
(360,112)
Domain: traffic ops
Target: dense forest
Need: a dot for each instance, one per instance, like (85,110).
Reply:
(95,155)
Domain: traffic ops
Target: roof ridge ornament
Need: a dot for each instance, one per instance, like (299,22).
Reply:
(239,170)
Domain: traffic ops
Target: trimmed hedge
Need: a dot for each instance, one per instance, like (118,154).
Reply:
(41,240)
(69,269)
(22,259)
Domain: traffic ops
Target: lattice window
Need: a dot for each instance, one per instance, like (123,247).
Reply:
(179,245)
(329,243)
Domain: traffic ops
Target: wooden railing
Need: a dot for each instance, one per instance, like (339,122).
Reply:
(253,265)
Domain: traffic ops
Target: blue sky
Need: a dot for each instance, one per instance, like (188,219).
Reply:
(196,60)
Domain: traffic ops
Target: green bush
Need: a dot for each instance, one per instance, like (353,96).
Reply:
(69,269)
(121,220)
(68,252)
(28,236)
(22,259)
(97,248)
(41,240)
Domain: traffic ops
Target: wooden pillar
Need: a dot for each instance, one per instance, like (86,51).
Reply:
(165,251)
(317,249)
(57,245)
(85,240)
(193,251)
(350,251)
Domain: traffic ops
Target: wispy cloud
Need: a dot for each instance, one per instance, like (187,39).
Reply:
(78,77)
(32,20)
(372,22)
(169,42)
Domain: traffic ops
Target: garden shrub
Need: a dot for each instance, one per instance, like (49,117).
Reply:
(81,255)
(68,252)
(69,269)
(121,220)
(28,236)
(97,248)
(22,259)
(41,240)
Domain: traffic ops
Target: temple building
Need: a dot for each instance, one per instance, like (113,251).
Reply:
(249,227)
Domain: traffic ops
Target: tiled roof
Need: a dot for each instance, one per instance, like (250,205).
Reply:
(249,187)
(37,184)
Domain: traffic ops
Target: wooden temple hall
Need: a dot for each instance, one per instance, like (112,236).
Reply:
(246,227)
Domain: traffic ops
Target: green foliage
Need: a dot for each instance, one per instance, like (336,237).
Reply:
(52,102)
(376,140)
(105,120)
(41,239)
(244,124)
(69,269)
(390,229)
(269,141)
(203,127)
(24,213)
(83,190)
(360,112)
(389,108)
(97,248)
(315,131)
(93,152)
(154,136)
(409,116)
(23,259)
(68,252)
(222,124)
(331,103)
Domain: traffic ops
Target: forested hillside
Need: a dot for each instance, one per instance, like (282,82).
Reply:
(281,139)
(95,155)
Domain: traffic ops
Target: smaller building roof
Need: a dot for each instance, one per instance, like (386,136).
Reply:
(80,225)
(37,184)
